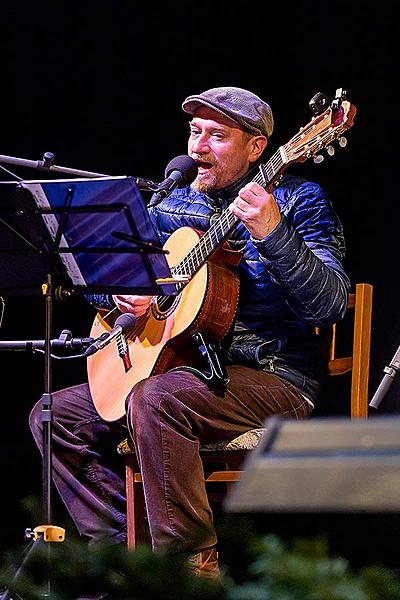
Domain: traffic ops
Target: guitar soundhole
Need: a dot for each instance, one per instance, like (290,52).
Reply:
(163,306)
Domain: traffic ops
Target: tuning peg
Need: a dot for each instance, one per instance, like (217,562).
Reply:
(342,141)
(330,150)
(318,158)
(318,103)
(341,93)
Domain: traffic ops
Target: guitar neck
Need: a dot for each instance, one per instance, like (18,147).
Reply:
(220,228)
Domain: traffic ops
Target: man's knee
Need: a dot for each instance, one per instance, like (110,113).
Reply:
(154,397)
(144,399)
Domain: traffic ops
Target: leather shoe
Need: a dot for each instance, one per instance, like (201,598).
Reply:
(205,563)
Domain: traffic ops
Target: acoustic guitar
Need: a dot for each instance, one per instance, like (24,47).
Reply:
(204,268)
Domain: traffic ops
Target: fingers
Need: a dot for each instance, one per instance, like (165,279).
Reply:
(137,305)
(251,196)
(253,192)
(257,209)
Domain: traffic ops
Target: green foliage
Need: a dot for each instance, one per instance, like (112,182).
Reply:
(303,570)
(272,570)
(76,571)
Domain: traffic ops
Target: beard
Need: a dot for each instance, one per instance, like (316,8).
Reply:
(205,183)
(220,177)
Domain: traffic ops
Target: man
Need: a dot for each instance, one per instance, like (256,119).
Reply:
(292,280)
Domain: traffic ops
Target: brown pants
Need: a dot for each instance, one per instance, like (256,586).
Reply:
(168,416)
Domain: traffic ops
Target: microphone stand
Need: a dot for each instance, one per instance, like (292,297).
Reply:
(390,373)
(46,532)
(63,342)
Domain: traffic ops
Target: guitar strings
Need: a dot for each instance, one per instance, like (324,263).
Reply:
(226,222)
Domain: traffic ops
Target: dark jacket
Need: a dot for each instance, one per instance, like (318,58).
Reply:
(291,281)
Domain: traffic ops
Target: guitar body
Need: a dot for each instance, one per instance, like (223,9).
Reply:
(162,339)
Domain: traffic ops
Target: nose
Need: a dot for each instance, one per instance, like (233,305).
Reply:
(200,145)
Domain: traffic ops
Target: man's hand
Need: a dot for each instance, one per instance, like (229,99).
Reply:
(137,305)
(257,209)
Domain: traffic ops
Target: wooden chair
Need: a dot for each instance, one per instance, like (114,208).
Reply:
(222,461)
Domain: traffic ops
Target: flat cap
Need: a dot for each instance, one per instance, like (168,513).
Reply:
(245,108)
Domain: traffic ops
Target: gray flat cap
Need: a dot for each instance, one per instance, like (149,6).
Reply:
(245,108)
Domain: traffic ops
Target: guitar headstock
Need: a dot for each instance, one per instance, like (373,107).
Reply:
(323,129)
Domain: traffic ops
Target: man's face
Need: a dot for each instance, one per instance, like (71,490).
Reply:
(222,151)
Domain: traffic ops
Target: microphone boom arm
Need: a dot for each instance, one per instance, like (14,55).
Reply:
(47,165)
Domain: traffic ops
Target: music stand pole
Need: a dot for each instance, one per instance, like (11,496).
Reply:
(47,415)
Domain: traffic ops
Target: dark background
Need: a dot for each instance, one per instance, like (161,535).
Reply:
(101,84)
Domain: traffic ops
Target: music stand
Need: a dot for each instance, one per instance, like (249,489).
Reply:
(89,236)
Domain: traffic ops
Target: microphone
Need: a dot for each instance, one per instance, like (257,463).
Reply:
(388,378)
(180,171)
(123,324)
(145,184)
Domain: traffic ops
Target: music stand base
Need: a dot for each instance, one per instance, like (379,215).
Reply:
(50,533)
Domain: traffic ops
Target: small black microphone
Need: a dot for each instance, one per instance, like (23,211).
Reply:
(123,324)
(61,343)
(180,171)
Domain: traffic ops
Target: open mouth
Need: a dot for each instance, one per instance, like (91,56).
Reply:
(204,166)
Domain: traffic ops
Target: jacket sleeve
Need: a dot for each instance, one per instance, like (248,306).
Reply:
(101,301)
(304,256)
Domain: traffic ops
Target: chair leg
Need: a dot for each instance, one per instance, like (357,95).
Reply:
(135,506)
(137,528)
(361,351)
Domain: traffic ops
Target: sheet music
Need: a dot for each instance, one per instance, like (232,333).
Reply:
(51,222)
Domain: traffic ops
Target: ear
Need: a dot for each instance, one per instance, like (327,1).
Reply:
(257,146)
